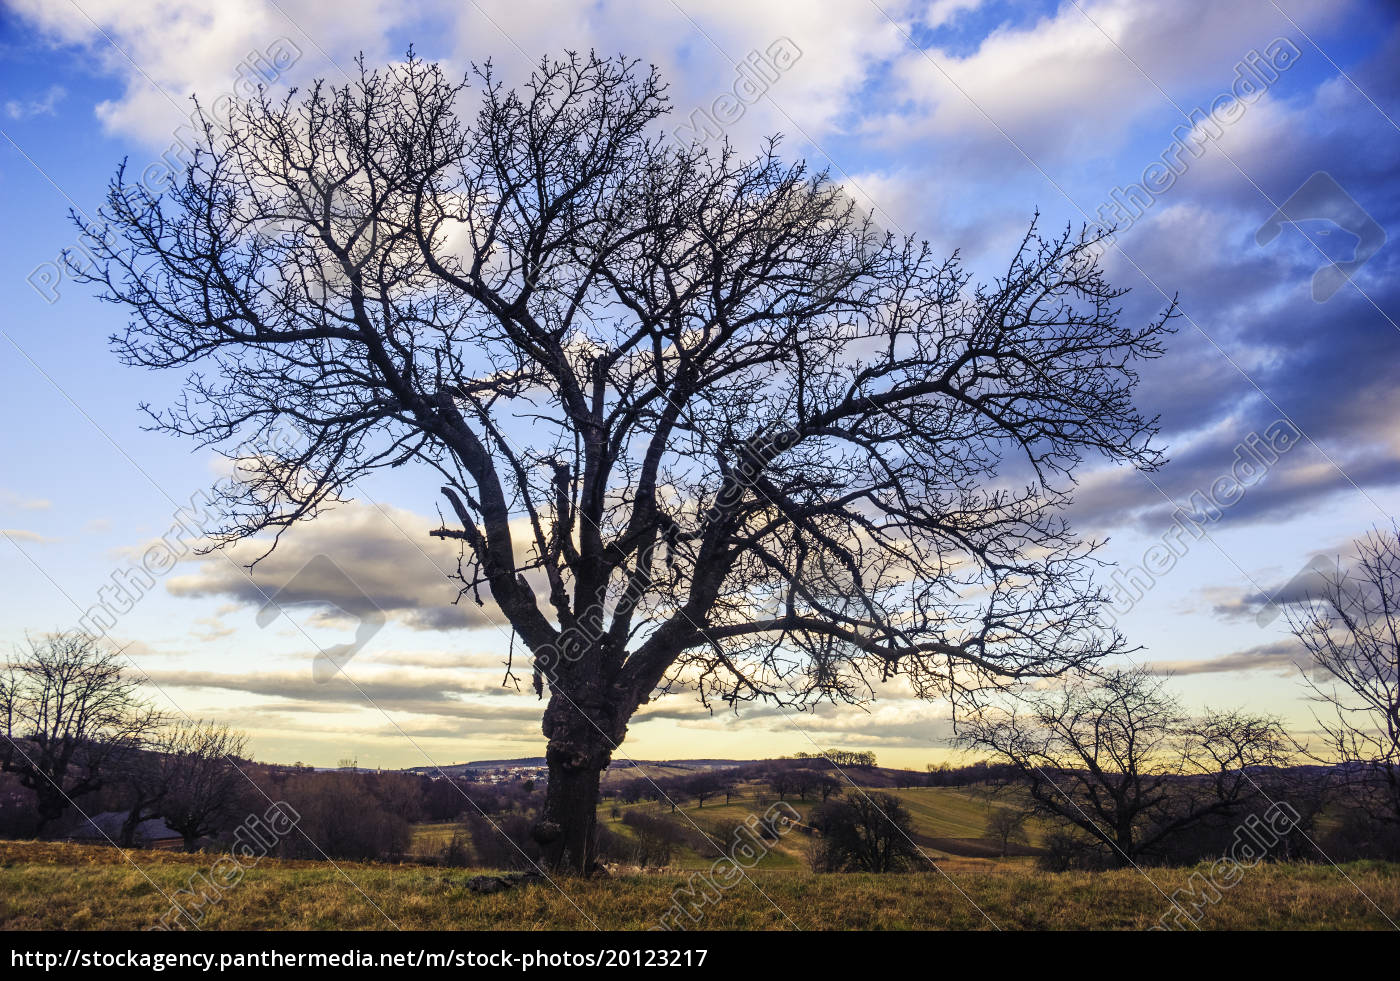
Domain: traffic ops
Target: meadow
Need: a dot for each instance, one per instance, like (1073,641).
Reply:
(48,886)
(966,885)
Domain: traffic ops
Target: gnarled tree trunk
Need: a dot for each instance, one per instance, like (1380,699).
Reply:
(580,749)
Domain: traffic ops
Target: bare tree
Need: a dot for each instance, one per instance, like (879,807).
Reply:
(727,782)
(705,786)
(1007,825)
(864,832)
(695,419)
(71,717)
(1118,759)
(1351,628)
(205,787)
(782,781)
(145,775)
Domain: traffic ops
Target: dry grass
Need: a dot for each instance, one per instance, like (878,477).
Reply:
(57,886)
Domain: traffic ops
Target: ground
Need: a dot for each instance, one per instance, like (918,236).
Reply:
(966,885)
(76,887)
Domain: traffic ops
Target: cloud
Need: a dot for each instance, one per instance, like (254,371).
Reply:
(211,629)
(898,719)
(436,659)
(21,535)
(165,52)
(699,48)
(1059,87)
(1278,657)
(43,105)
(389,562)
(407,694)
(13,500)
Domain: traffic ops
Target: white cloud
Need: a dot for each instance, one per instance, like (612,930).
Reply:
(164,52)
(1060,85)
(43,105)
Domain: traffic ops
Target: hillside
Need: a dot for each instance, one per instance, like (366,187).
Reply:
(538,762)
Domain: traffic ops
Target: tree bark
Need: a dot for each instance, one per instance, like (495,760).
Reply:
(580,749)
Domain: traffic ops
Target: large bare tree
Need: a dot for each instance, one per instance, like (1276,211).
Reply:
(696,420)
(187,773)
(206,788)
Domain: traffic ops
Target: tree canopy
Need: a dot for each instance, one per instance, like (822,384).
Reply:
(695,418)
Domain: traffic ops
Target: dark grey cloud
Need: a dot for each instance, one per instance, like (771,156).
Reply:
(411,695)
(1277,657)
(381,560)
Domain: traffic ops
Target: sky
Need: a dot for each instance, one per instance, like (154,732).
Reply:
(1189,125)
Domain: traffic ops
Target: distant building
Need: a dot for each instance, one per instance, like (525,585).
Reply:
(106,829)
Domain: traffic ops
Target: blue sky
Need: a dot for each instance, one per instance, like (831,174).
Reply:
(955,121)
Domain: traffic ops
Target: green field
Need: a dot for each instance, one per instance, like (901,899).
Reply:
(79,887)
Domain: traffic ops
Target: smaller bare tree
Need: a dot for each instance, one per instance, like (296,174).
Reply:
(146,775)
(704,786)
(1007,825)
(1351,628)
(71,716)
(1117,758)
(205,787)
(864,832)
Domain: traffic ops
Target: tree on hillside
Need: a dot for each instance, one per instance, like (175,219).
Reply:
(781,781)
(1117,758)
(185,772)
(72,717)
(1351,628)
(1007,825)
(728,783)
(696,421)
(144,776)
(864,833)
(704,786)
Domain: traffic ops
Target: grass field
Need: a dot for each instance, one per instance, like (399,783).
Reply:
(949,824)
(77,887)
(965,886)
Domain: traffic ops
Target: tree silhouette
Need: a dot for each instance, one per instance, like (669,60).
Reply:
(72,720)
(1116,759)
(1350,627)
(696,420)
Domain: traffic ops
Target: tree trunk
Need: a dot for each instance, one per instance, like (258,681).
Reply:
(580,748)
(134,817)
(50,806)
(1123,854)
(568,827)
